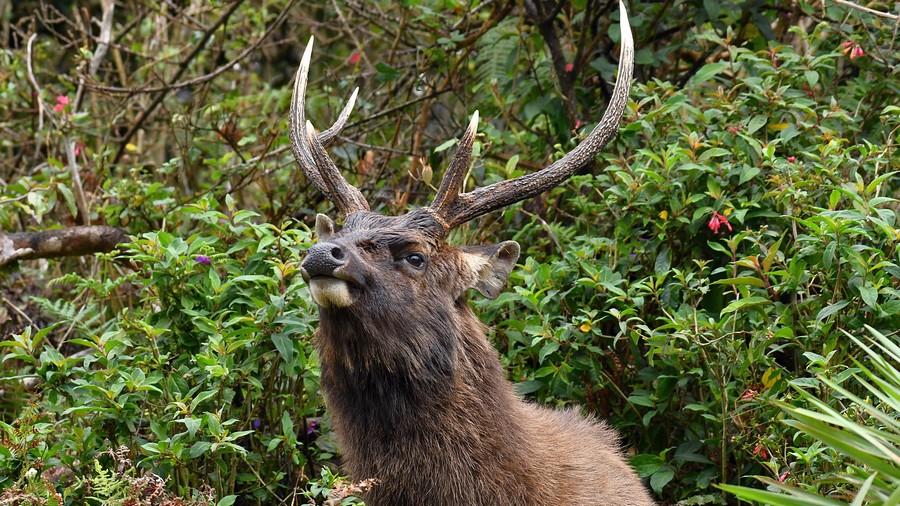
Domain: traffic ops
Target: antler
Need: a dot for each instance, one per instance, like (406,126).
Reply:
(452,208)
(309,149)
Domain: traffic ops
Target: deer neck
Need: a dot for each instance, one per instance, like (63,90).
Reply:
(384,375)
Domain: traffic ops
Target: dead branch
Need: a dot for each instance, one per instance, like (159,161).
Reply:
(72,241)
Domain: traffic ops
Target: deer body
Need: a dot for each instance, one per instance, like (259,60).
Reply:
(417,395)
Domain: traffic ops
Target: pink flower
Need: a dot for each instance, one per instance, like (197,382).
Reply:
(354,58)
(61,102)
(783,476)
(569,67)
(792,159)
(852,49)
(717,221)
(749,394)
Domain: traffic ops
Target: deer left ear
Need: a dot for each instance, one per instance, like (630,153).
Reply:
(492,264)
(324,227)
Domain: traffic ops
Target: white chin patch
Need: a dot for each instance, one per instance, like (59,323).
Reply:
(330,292)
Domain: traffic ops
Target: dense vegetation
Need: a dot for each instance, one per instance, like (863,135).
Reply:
(722,285)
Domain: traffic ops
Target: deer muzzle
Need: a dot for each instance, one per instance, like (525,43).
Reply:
(324,269)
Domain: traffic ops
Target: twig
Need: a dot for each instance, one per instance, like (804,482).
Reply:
(78,189)
(197,80)
(109,7)
(866,9)
(37,94)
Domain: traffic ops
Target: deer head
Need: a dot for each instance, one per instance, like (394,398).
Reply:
(378,263)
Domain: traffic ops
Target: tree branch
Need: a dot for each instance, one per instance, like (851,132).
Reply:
(72,241)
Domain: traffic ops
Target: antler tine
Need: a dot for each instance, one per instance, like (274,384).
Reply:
(468,206)
(333,185)
(456,171)
(348,199)
(329,135)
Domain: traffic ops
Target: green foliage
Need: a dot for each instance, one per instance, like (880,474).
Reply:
(208,377)
(700,283)
(860,420)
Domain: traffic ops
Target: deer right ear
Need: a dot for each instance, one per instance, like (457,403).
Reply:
(324,227)
(493,264)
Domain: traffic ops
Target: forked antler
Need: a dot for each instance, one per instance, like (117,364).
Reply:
(454,209)
(450,207)
(309,148)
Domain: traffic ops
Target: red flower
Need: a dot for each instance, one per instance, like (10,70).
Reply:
(569,67)
(792,159)
(354,58)
(61,102)
(761,451)
(717,221)
(852,49)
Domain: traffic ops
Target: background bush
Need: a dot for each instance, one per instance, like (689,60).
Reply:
(703,274)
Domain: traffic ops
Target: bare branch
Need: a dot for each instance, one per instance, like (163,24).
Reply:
(72,241)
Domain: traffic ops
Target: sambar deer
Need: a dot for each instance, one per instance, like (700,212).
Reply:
(416,392)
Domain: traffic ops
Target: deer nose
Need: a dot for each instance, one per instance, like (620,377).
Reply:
(321,260)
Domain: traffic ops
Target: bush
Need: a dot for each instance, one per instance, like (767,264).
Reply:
(696,285)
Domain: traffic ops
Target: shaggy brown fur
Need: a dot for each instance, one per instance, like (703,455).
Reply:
(416,392)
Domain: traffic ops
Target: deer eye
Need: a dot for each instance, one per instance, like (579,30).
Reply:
(417,260)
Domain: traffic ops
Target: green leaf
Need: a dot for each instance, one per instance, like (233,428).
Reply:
(662,264)
(756,122)
(641,400)
(199,448)
(287,426)
(528,387)
(741,281)
(776,499)
(745,303)
(285,346)
(830,310)
(69,198)
(547,349)
(869,295)
(445,146)
(385,72)
(661,478)
(228,500)
(192,425)
(812,77)
(646,464)
(709,71)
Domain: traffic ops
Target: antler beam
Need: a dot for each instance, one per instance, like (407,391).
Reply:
(454,209)
(309,151)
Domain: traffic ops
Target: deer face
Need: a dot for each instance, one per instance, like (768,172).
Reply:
(382,264)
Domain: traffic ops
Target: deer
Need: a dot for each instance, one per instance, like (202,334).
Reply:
(419,402)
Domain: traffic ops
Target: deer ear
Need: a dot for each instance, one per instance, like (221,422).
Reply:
(493,265)
(324,227)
